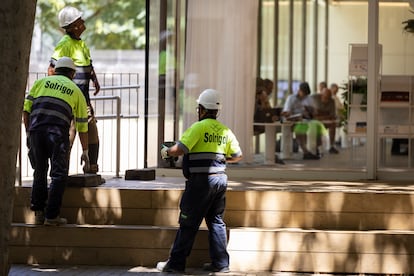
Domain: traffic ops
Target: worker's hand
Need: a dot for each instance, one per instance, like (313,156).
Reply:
(85,158)
(97,87)
(164,152)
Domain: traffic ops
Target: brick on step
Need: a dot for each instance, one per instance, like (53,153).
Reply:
(84,180)
(140,174)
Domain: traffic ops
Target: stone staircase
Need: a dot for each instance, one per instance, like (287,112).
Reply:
(330,230)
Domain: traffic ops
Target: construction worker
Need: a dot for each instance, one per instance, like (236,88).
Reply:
(207,146)
(71,45)
(48,110)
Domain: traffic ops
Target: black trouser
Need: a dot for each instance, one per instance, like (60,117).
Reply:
(45,146)
(204,197)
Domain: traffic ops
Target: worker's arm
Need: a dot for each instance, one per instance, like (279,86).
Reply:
(26,120)
(175,151)
(95,81)
(234,159)
(83,136)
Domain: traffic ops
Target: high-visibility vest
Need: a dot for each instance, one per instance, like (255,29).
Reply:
(53,101)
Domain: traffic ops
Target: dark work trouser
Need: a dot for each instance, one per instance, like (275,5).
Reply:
(204,197)
(45,146)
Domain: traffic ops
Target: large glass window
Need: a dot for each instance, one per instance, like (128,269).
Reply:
(395,95)
(198,44)
(298,41)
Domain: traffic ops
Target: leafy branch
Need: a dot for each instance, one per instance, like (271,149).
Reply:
(110,24)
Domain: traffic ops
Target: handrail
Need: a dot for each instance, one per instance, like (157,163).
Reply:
(116,87)
(103,88)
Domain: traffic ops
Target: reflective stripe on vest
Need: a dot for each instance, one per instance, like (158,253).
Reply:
(207,162)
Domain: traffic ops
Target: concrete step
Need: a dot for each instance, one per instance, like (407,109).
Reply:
(330,210)
(251,249)
(98,245)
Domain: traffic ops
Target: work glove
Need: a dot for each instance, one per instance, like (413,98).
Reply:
(164,152)
(85,158)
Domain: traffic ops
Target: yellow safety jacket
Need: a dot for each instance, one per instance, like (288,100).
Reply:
(207,144)
(79,52)
(53,101)
(73,48)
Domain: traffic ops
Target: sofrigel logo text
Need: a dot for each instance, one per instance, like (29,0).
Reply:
(215,138)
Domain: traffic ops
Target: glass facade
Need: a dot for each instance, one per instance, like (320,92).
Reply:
(365,47)
(290,42)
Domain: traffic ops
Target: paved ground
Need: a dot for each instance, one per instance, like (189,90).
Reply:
(23,270)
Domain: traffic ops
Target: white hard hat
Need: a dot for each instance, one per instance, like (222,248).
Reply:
(209,99)
(65,62)
(68,15)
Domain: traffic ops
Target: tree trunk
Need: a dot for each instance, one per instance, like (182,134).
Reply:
(16,29)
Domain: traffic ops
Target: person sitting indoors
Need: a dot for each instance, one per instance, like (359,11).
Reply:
(299,108)
(262,100)
(322,85)
(325,111)
(268,86)
(264,113)
(260,108)
(338,104)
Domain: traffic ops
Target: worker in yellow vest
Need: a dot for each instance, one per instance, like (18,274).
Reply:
(207,146)
(48,110)
(71,45)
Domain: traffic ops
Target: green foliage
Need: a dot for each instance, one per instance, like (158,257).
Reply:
(110,24)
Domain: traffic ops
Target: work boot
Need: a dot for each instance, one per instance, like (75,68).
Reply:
(278,160)
(93,168)
(310,156)
(165,267)
(56,221)
(212,268)
(39,217)
(333,150)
